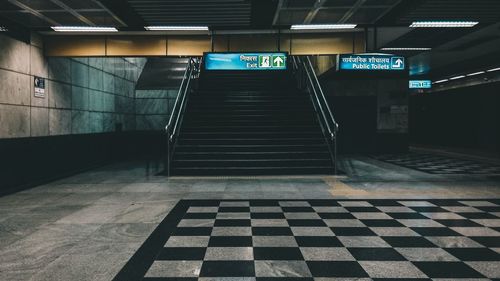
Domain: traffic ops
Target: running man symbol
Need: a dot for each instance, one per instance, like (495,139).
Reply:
(265,61)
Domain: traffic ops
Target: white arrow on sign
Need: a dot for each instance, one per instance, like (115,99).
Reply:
(278,61)
(399,63)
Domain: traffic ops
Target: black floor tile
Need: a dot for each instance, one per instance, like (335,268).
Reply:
(297,209)
(336,269)
(230,241)
(318,241)
(234,209)
(408,242)
(182,253)
(352,231)
(382,223)
(301,222)
(271,231)
(363,209)
(169,279)
(458,223)
(277,253)
(488,241)
(384,203)
(408,216)
(489,209)
(447,270)
(336,216)
(474,254)
(376,254)
(227,269)
(429,209)
(231,222)
(267,215)
(435,231)
(478,215)
(192,231)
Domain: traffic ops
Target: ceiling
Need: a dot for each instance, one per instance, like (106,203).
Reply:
(243,14)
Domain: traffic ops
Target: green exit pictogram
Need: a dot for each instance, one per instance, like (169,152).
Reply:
(278,61)
(265,61)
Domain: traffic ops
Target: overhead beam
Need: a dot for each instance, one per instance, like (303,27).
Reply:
(123,13)
(352,11)
(73,12)
(277,13)
(33,12)
(314,11)
(403,7)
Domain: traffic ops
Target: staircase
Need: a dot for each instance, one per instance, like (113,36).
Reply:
(250,123)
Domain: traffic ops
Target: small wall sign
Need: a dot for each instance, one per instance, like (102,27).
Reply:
(39,87)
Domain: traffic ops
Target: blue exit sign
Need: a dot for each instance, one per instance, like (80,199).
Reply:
(371,62)
(245,61)
(420,84)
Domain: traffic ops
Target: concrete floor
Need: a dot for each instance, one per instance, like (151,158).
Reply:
(86,227)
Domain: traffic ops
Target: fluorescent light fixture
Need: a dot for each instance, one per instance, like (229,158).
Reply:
(427,24)
(406,49)
(176,28)
(441,81)
(3,29)
(494,69)
(84,29)
(457,77)
(476,73)
(321,26)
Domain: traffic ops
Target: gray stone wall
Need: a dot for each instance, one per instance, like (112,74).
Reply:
(153,108)
(82,95)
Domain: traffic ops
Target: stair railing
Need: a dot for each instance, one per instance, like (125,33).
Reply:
(172,129)
(307,80)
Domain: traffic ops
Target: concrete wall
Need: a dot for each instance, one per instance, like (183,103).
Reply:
(153,108)
(83,95)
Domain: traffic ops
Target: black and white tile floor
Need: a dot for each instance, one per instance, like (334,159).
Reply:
(322,240)
(438,164)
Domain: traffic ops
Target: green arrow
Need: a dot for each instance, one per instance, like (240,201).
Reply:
(278,61)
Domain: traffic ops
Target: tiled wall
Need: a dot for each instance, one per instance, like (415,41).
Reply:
(83,95)
(153,108)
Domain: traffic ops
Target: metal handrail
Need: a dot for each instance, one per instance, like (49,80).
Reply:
(319,103)
(172,127)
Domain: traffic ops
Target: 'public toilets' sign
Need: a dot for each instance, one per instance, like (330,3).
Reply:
(370,62)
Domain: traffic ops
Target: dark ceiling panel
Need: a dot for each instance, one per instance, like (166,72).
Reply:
(329,15)
(476,10)
(288,17)
(187,12)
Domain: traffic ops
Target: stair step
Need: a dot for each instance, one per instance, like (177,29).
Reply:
(250,171)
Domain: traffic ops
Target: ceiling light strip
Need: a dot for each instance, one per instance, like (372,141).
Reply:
(322,26)
(84,29)
(406,49)
(435,24)
(176,28)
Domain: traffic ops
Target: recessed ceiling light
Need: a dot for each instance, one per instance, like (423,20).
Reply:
(321,26)
(176,28)
(494,69)
(3,29)
(406,49)
(424,24)
(476,73)
(440,81)
(84,29)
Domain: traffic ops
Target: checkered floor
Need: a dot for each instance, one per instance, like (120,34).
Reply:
(322,240)
(436,164)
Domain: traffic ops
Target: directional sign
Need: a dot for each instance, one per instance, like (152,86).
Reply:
(420,84)
(245,61)
(371,62)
